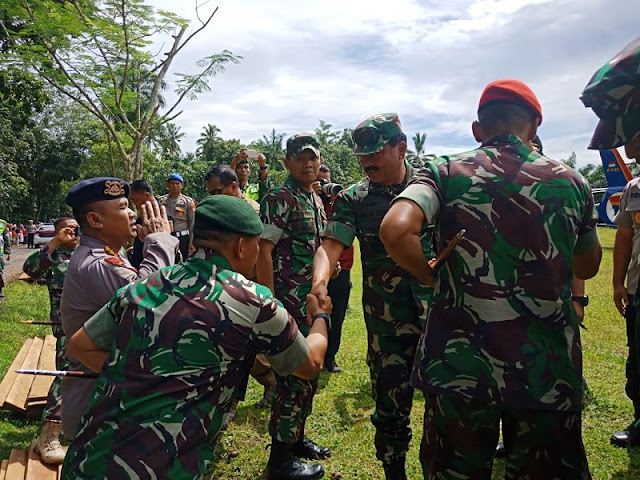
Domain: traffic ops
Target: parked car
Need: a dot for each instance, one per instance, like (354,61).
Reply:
(43,234)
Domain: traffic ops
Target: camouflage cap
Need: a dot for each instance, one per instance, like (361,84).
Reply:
(375,132)
(301,142)
(613,93)
(224,213)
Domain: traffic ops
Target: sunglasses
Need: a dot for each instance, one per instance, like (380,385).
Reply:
(366,136)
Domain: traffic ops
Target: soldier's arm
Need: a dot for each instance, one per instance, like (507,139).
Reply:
(39,262)
(276,334)
(264,265)
(324,263)
(92,343)
(621,259)
(82,347)
(191,216)
(587,252)
(399,232)
(317,341)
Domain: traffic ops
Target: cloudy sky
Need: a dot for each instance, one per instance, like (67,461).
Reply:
(344,60)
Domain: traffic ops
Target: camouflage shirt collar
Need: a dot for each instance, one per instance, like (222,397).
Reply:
(210,257)
(293,185)
(398,187)
(502,139)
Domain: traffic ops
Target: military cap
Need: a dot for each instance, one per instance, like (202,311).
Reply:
(175,176)
(96,190)
(375,132)
(224,213)
(301,142)
(511,92)
(613,93)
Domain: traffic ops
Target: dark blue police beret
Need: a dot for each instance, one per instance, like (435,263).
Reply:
(95,190)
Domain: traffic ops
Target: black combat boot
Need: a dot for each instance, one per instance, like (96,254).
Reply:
(307,448)
(283,465)
(395,470)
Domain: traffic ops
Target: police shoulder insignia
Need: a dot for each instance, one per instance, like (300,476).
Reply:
(119,267)
(114,188)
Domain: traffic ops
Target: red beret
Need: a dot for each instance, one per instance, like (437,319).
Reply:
(510,91)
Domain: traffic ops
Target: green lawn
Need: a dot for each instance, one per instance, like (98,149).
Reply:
(342,405)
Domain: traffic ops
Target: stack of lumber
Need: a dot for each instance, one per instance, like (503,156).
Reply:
(28,393)
(23,465)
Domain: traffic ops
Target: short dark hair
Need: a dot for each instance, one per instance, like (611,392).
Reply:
(141,185)
(59,220)
(502,118)
(397,139)
(224,172)
(325,169)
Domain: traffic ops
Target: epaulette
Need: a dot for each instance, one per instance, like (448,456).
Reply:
(119,266)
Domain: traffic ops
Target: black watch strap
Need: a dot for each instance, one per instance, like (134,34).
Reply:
(326,317)
(582,300)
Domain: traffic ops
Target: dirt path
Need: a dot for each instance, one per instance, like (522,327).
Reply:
(13,269)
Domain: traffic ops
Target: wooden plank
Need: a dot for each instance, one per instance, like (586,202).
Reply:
(10,376)
(17,397)
(3,469)
(36,470)
(17,465)
(47,361)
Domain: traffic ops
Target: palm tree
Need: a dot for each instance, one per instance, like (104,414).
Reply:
(273,149)
(207,141)
(170,139)
(419,143)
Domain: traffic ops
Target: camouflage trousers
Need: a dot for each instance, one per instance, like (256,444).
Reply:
(53,409)
(390,361)
(262,371)
(460,437)
(291,408)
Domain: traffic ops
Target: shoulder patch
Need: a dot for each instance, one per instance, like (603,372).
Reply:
(119,267)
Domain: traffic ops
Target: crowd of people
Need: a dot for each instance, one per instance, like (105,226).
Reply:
(254,280)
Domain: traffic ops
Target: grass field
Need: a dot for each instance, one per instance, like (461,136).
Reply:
(342,405)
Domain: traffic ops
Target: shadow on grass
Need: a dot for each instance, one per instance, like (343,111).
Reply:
(633,469)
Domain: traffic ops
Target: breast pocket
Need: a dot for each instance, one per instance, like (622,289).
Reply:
(302,222)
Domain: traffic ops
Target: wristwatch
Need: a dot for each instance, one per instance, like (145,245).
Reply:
(582,300)
(264,167)
(326,317)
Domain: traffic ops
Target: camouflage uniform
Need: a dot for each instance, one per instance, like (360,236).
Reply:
(92,278)
(614,95)
(292,221)
(393,307)
(52,266)
(183,341)
(502,337)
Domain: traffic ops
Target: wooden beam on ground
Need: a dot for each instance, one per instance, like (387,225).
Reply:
(3,469)
(17,397)
(41,384)
(36,470)
(9,378)
(17,466)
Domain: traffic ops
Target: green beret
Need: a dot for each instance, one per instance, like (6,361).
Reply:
(96,190)
(224,213)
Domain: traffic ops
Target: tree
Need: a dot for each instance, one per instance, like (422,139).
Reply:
(206,142)
(417,156)
(96,52)
(22,97)
(271,146)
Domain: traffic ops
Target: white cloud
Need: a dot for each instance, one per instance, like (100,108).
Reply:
(342,61)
